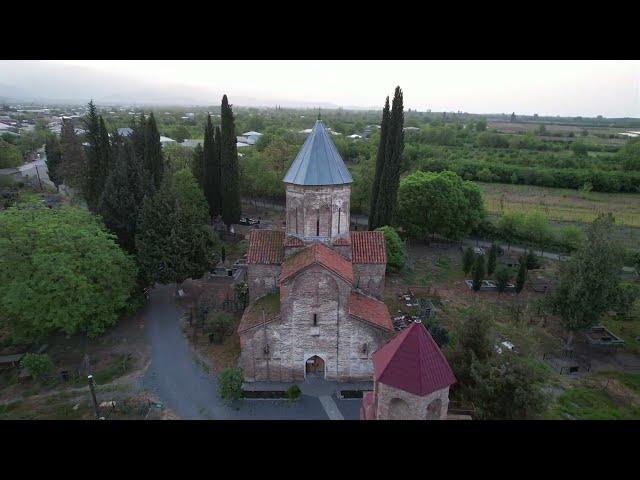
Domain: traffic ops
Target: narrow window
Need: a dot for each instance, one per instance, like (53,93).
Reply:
(318,226)
(338,221)
(315,319)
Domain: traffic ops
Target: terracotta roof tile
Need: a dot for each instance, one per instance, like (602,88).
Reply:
(413,362)
(368,247)
(320,255)
(370,310)
(266,247)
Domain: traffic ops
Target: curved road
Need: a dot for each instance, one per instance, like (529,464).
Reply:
(186,388)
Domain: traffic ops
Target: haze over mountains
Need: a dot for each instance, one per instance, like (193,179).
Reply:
(47,82)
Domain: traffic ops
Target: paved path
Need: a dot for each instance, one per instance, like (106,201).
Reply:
(180,381)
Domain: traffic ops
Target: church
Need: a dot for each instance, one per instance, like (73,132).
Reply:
(315,288)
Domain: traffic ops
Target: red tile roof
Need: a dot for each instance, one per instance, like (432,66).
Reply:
(291,241)
(320,255)
(370,310)
(266,247)
(412,362)
(368,247)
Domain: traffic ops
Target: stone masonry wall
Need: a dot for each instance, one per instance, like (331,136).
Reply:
(369,278)
(394,404)
(328,204)
(262,279)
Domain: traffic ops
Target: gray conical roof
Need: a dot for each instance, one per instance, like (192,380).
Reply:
(318,161)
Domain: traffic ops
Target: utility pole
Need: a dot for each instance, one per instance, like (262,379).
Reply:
(93,396)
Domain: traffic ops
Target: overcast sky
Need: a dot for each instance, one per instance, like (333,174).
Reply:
(587,88)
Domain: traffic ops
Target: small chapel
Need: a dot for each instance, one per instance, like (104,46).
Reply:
(315,288)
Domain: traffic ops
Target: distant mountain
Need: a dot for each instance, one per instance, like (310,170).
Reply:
(47,82)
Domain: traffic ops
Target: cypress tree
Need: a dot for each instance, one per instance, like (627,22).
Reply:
(390,180)
(197,167)
(384,129)
(231,204)
(106,160)
(467,260)
(54,160)
(211,169)
(522,275)
(94,180)
(73,158)
(137,136)
(491,261)
(153,159)
(478,272)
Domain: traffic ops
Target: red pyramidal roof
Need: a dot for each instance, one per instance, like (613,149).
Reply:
(412,361)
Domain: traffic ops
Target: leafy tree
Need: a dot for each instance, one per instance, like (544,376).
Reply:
(509,225)
(438,332)
(396,250)
(380,159)
(478,272)
(522,275)
(230,188)
(624,299)
(439,203)
(506,387)
(491,260)
(77,277)
(590,280)
(39,366)
(571,238)
(180,133)
(536,228)
(54,160)
(481,125)
(468,260)
(230,383)
(174,240)
(630,154)
(579,149)
(10,156)
(532,261)
(502,277)
(219,324)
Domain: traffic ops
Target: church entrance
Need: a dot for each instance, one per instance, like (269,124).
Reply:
(314,367)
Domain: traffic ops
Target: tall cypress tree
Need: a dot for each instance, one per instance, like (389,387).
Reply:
(94,180)
(211,169)
(384,129)
(153,158)
(231,203)
(390,179)
(123,196)
(54,160)
(106,160)
(197,166)
(73,158)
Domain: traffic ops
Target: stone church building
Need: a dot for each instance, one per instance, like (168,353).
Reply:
(315,289)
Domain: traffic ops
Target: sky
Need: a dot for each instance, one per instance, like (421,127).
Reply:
(567,88)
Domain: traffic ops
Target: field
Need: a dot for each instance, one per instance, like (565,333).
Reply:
(560,204)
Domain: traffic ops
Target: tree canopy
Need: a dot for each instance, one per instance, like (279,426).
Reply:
(60,271)
(396,250)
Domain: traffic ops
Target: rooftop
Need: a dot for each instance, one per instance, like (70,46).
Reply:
(253,315)
(368,247)
(370,310)
(318,161)
(317,254)
(266,247)
(413,362)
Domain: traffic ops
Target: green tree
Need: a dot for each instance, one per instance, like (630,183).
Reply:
(230,188)
(54,160)
(502,277)
(98,157)
(152,153)
(579,149)
(396,250)
(481,125)
(197,166)
(73,166)
(380,159)
(630,154)
(478,272)
(590,280)
(174,239)
(532,261)
(219,324)
(468,260)
(536,228)
(522,274)
(211,180)
(491,260)
(10,156)
(39,366)
(509,225)
(230,383)
(438,203)
(77,277)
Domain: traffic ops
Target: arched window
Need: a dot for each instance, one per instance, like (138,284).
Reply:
(434,409)
(399,410)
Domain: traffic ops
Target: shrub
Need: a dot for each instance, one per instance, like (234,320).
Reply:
(396,250)
(532,261)
(39,367)
(502,277)
(468,260)
(293,393)
(219,324)
(478,272)
(438,332)
(230,383)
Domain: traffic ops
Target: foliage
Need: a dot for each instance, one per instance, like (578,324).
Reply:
(219,324)
(532,261)
(78,278)
(492,257)
(174,240)
(468,259)
(229,171)
(478,272)
(54,160)
(624,299)
(230,383)
(39,366)
(380,159)
(98,157)
(396,250)
(438,331)
(590,279)
(74,161)
(9,155)
(502,277)
(439,203)
(153,158)
(522,274)
(242,293)
(211,181)
(293,393)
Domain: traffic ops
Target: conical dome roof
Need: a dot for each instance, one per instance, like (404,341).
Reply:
(318,161)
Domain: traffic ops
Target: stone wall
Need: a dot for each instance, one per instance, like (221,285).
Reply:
(314,212)
(262,279)
(369,277)
(394,404)
(278,350)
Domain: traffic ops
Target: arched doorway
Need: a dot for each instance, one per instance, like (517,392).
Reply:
(314,367)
